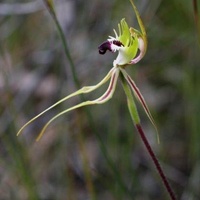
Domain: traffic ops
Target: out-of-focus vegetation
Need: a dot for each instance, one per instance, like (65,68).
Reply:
(69,162)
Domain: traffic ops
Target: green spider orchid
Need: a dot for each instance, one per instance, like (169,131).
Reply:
(131,45)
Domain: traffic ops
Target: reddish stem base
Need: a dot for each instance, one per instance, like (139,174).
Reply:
(155,160)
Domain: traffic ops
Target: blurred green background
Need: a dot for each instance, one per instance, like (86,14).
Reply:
(100,158)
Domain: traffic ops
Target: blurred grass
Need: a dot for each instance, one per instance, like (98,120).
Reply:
(34,73)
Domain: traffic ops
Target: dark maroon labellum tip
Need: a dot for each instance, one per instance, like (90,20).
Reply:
(104,47)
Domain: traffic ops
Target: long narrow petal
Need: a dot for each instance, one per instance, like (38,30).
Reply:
(142,36)
(142,27)
(83,90)
(139,96)
(105,97)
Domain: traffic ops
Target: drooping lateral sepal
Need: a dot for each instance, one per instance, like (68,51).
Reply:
(104,98)
(86,89)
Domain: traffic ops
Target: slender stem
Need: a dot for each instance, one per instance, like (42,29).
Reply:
(155,161)
(103,148)
(135,117)
(51,10)
(130,101)
(67,53)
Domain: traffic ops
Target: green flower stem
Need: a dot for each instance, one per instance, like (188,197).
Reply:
(136,121)
(64,43)
(50,7)
(103,148)
(130,101)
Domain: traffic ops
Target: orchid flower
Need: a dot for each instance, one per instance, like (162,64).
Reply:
(131,45)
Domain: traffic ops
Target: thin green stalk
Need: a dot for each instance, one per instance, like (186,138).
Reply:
(50,7)
(135,117)
(78,85)
(131,103)
(103,148)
